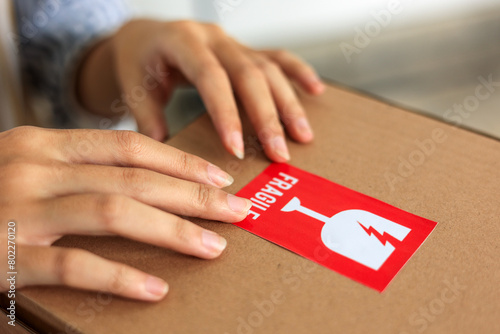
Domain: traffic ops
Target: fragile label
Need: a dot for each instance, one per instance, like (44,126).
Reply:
(353,234)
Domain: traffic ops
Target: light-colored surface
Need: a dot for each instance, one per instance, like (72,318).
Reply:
(287,23)
(432,69)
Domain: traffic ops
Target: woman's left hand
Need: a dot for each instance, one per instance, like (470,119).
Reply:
(139,67)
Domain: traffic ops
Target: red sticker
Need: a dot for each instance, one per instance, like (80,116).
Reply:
(351,233)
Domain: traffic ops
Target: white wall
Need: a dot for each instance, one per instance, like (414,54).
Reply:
(294,22)
(163,9)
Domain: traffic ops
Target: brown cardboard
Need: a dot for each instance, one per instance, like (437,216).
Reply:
(358,141)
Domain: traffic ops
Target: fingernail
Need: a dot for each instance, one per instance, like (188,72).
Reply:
(238,204)
(304,128)
(218,177)
(156,286)
(213,242)
(278,145)
(237,145)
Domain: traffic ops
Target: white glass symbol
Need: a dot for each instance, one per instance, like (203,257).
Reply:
(343,233)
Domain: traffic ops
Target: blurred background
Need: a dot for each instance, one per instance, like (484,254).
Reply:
(425,55)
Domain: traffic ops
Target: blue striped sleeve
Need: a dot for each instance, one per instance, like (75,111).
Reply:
(53,36)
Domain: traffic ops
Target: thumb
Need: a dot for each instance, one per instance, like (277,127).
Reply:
(150,118)
(146,97)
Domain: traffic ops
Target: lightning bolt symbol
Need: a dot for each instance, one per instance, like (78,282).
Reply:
(383,238)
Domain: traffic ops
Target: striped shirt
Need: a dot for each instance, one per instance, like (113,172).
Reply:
(53,37)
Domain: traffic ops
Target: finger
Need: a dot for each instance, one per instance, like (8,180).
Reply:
(144,99)
(100,214)
(127,148)
(168,193)
(255,95)
(298,70)
(83,270)
(291,111)
(202,68)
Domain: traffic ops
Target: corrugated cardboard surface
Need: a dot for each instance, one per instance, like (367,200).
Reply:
(451,285)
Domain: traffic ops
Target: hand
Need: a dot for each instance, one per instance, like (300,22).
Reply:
(150,58)
(96,182)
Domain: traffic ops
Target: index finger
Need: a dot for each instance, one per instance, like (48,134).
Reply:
(131,149)
(202,68)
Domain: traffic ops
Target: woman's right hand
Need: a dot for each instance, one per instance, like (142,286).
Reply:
(96,182)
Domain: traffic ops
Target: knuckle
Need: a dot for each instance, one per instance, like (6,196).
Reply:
(23,169)
(269,130)
(28,170)
(135,180)
(26,131)
(202,196)
(290,113)
(250,71)
(280,54)
(131,143)
(20,175)
(67,135)
(215,29)
(272,124)
(27,138)
(110,209)
(268,66)
(181,231)
(209,72)
(186,25)
(118,280)
(183,163)
(59,170)
(65,265)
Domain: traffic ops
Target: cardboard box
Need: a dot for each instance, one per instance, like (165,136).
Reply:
(421,165)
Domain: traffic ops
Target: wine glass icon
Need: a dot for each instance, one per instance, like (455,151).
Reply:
(355,234)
